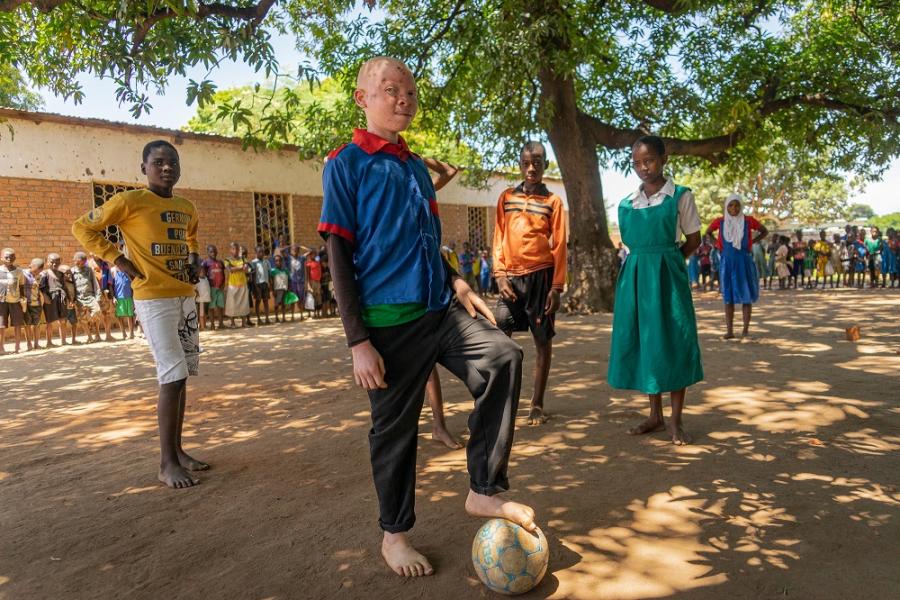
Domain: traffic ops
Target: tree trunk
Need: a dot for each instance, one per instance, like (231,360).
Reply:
(593,261)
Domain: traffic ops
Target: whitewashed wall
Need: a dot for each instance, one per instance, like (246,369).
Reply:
(44,146)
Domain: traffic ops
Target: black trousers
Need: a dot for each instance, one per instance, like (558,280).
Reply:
(487,362)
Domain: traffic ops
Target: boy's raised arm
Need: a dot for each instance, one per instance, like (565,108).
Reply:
(88,229)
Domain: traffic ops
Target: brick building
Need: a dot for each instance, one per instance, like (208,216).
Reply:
(53,168)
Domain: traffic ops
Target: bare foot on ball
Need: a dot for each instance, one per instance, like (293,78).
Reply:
(190,463)
(479,505)
(175,476)
(440,434)
(649,426)
(402,558)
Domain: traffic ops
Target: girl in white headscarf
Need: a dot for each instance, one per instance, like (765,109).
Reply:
(738,279)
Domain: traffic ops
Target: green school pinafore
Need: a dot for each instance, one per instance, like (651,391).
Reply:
(654,339)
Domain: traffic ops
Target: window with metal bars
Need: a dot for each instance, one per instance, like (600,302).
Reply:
(478,231)
(102,193)
(273,220)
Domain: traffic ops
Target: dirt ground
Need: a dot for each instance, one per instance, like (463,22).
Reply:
(789,491)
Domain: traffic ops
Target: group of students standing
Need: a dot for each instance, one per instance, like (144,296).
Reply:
(89,294)
(843,260)
(795,262)
(294,278)
(405,308)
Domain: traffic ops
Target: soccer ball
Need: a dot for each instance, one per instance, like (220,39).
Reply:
(508,558)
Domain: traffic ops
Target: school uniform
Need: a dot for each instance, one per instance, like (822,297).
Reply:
(654,345)
(738,277)
(380,220)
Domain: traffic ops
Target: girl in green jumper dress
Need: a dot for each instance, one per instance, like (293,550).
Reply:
(654,340)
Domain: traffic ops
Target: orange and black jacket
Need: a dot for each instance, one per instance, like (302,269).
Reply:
(530,234)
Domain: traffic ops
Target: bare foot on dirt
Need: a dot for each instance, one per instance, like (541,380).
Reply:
(440,434)
(679,437)
(402,558)
(649,426)
(728,336)
(537,416)
(190,463)
(479,505)
(175,476)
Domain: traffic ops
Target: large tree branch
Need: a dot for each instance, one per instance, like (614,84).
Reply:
(713,148)
(42,5)
(823,101)
(610,136)
(255,14)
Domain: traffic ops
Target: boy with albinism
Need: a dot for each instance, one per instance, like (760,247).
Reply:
(404,310)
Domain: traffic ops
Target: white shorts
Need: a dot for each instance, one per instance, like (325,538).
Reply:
(171,328)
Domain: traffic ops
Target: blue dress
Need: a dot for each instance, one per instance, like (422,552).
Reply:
(694,268)
(738,278)
(888,260)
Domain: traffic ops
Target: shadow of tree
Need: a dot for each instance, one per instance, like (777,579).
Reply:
(789,490)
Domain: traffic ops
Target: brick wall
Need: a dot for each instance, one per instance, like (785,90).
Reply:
(224,217)
(37,215)
(306,212)
(454,224)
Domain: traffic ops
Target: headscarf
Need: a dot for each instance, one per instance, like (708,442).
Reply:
(733,227)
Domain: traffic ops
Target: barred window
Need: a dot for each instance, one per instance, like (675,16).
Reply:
(102,193)
(273,220)
(478,219)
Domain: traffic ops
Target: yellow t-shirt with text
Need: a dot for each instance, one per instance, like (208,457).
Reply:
(159,233)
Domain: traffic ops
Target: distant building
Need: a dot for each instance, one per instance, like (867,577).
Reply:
(53,168)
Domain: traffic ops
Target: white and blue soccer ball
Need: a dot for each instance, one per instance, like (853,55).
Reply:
(508,558)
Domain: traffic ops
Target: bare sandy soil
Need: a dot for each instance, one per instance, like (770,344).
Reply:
(789,491)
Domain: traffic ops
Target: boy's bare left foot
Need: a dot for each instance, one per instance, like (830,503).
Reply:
(190,463)
(537,416)
(649,426)
(679,436)
(479,505)
(728,336)
(440,434)
(402,558)
(176,477)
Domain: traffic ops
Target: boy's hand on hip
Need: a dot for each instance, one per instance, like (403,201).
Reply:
(128,267)
(506,290)
(552,302)
(472,302)
(368,366)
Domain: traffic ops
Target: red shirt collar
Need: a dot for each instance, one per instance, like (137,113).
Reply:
(371,143)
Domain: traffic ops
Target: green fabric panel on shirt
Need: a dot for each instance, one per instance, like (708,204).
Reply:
(388,315)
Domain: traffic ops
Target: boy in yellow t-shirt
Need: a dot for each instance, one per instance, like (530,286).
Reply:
(160,231)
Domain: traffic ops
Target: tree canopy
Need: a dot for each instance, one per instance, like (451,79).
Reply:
(314,117)
(860,211)
(14,92)
(791,185)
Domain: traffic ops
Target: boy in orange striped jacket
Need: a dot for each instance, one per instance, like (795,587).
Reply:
(530,264)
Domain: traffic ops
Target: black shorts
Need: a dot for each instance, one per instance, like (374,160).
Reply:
(33,315)
(527,311)
(261,291)
(797,269)
(705,270)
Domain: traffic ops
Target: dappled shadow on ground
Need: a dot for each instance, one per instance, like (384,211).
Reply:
(790,489)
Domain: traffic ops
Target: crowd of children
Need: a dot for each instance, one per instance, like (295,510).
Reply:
(49,303)
(860,257)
